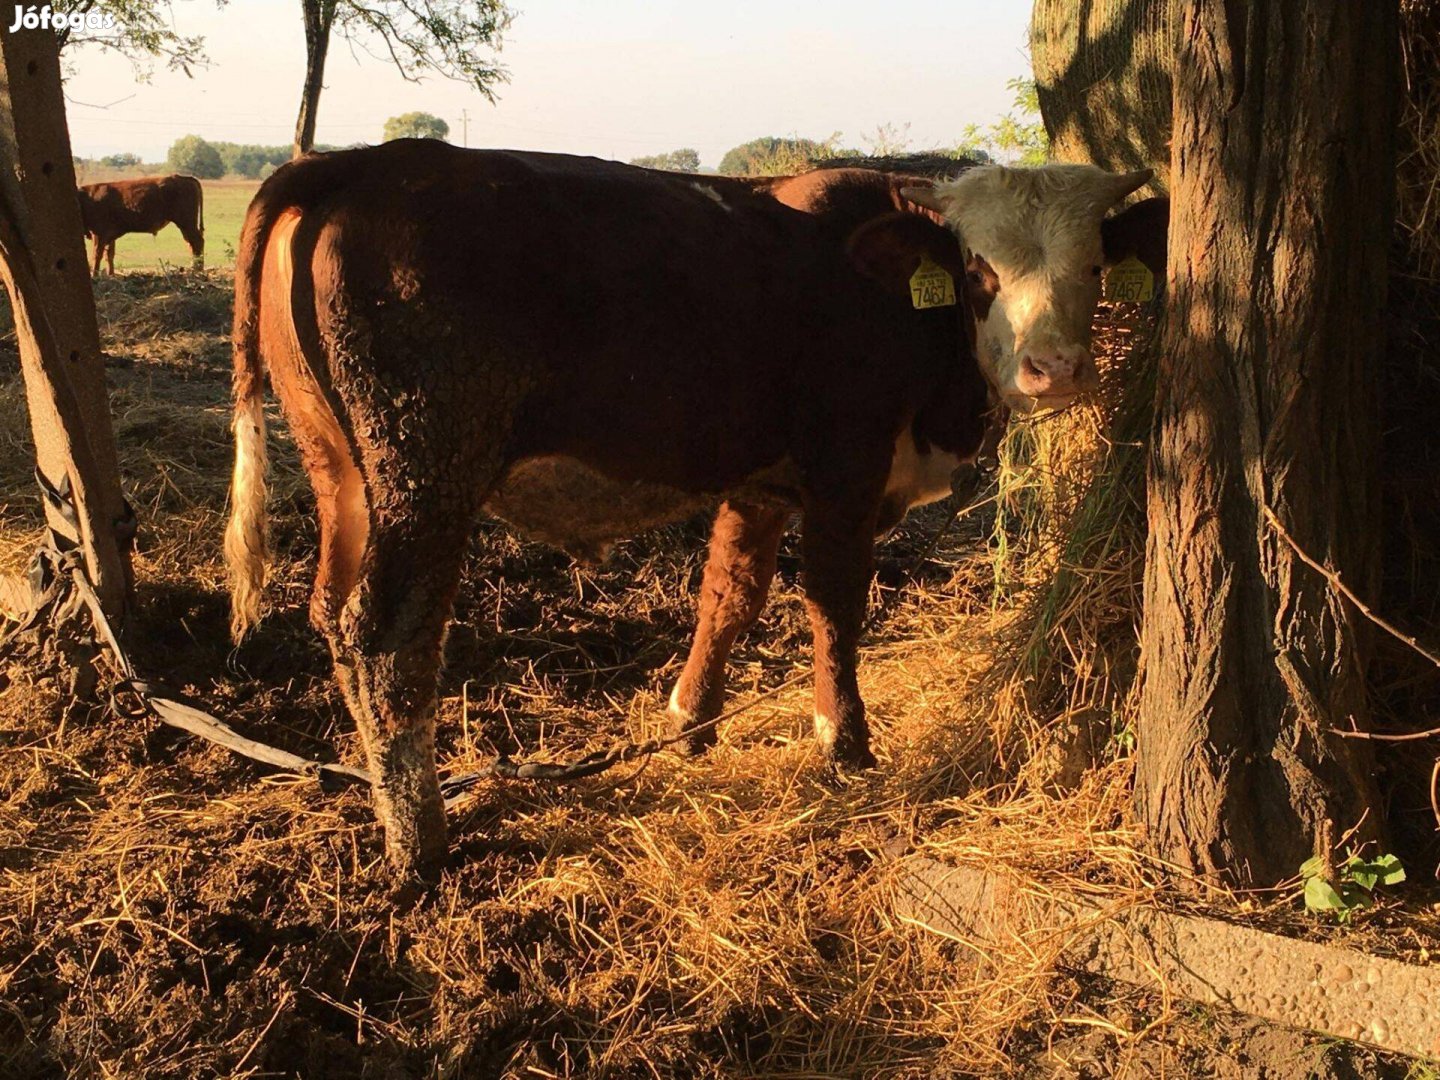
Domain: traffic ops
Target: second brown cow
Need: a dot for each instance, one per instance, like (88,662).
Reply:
(110,210)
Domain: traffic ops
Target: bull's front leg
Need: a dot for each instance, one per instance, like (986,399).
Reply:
(837,542)
(743,546)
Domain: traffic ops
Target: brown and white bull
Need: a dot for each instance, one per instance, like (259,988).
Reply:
(117,207)
(587,349)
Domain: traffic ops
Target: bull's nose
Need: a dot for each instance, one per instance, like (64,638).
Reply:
(1053,373)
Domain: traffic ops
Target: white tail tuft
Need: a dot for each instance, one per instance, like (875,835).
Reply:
(246,550)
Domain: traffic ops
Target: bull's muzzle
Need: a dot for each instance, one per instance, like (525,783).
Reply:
(1055,375)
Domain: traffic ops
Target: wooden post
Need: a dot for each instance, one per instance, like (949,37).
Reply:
(42,261)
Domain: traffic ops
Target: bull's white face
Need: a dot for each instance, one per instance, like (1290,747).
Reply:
(1032,240)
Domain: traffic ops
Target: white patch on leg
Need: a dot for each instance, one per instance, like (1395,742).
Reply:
(674,708)
(825,730)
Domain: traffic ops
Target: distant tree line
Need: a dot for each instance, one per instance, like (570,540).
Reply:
(1016,137)
(683,160)
(198,156)
(211,160)
(772,155)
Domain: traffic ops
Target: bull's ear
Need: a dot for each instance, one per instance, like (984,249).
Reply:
(889,248)
(925,196)
(1140,230)
(1122,184)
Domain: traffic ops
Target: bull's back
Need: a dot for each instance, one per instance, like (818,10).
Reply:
(650,326)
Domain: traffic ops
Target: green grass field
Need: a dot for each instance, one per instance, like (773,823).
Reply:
(225,203)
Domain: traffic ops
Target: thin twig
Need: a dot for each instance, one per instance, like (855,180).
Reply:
(1333,577)
(1435,791)
(284,1001)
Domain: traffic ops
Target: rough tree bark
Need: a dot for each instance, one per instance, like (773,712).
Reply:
(1282,178)
(319,16)
(1103,78)
(47,275)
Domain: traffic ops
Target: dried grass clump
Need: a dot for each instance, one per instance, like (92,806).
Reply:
(1068,547)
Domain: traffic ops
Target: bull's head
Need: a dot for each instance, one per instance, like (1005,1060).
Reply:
(1034,261)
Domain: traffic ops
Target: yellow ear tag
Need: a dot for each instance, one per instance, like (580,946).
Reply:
(1130,280)
(931,285)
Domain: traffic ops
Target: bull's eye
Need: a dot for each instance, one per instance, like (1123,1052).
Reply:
(973,276)
(1095,270)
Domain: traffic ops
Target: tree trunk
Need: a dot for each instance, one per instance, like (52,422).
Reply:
(1103,79)
(319,16)
(47,275)
(1282,178)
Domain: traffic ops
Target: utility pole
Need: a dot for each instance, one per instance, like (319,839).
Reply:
(465,128)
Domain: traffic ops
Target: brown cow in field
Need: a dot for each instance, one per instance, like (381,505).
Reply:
(586,349)
(116,207)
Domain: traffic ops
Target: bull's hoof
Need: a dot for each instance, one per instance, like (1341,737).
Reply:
(853,758)
(422,863)
(691,743)
(847,743)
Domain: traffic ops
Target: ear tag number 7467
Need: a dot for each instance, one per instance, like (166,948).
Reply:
(1130,280)
(931,285)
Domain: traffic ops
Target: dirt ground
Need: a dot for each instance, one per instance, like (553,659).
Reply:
(169,910)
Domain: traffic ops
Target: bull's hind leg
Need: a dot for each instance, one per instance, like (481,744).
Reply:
(387,657)
(737,579)
(195,240)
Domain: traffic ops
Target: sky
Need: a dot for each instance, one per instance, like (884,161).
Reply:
(613,78)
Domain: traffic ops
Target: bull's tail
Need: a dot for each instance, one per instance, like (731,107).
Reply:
(246,549)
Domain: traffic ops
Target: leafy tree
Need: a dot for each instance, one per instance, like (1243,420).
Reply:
(192,154)
(772,156)
(1018,136)
(416,125)
(120,161)
(683,160)
(457,39)
(247,159)
(141,30)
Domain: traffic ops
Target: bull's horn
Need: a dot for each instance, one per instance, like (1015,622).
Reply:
(924,196)
(1125,183)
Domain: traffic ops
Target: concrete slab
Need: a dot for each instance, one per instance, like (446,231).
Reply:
(1323,988)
